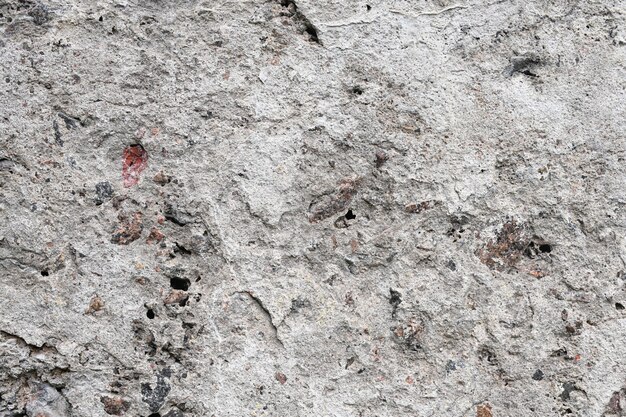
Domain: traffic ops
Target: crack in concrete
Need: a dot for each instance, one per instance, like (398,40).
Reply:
(266,313)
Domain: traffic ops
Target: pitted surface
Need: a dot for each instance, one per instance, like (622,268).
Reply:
(312,208)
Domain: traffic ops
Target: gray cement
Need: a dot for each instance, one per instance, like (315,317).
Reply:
(357,208)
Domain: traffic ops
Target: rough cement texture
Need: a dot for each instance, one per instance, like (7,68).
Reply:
(358,208)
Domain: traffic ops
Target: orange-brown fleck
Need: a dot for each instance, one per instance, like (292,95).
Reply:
(484,410)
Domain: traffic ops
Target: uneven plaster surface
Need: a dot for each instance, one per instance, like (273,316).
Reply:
(357,208)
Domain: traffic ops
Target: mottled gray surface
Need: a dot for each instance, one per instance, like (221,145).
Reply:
(348,208)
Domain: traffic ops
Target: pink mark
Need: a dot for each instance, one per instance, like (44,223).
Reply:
(135,161)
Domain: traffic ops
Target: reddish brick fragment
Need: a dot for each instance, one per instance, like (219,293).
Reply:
(507,248)
(115,405)
(280,377)
(336,202)
(179,297)
(135,161)
(129,228)
(418,208)
(155,236)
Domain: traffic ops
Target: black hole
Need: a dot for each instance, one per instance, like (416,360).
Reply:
(183,302)
(180,283)
(545,248)
(357,90)
(312,32)
(150,313)
(45,273)
(368,7)
(155,415)
(619,306)
(174,220)
(100,19)
(350,215)
(178,248)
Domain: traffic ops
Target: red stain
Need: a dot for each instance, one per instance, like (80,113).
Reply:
(135,161)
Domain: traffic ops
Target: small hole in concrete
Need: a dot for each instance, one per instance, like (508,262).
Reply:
(357,90)
(150,313)
(184,302)
(619,306)
(545,248)
(45,273)
(180,283)
(350,215)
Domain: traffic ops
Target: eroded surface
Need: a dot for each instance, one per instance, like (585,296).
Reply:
(319,208)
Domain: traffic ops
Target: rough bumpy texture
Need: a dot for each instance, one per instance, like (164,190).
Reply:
(357,208)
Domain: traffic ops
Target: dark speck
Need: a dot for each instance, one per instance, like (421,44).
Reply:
(568,387)
(104,192)
(357,90)
(394,299)
(451,265)
(450,366)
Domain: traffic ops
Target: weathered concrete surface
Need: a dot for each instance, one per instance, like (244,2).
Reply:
(328,208)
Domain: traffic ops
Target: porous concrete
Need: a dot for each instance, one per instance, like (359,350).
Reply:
(358,208)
